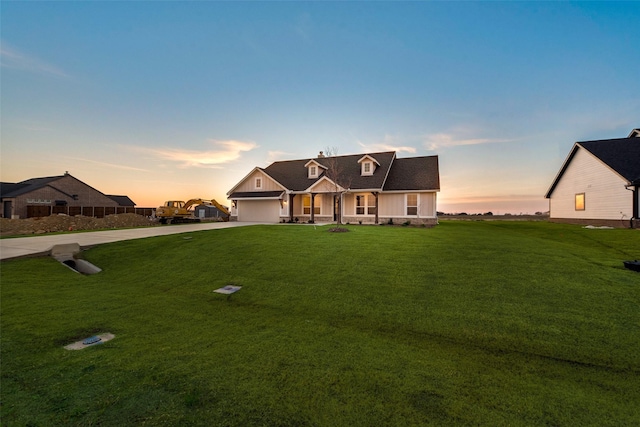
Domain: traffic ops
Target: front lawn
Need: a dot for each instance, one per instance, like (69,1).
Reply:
(468,323)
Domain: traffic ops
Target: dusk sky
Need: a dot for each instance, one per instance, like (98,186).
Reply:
(174,100)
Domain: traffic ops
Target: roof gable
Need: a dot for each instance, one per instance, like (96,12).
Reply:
(247,176)
(621,155)
(314,162)
(368,157)
(325,184)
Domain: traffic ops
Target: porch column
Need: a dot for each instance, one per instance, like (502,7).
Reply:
(313,196)
(636,205)
(376,196)
(291,196)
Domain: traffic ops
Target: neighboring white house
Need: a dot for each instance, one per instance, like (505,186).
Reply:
(366,188)
(598,183)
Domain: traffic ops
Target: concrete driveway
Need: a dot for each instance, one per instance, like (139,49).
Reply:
(40,245)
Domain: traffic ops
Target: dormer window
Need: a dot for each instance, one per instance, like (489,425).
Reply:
(314,169)
(368,165)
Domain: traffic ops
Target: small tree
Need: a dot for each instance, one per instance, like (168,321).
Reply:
(339,180)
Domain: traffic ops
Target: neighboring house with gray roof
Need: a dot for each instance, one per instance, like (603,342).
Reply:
(37,196)
(367,188)
(598,183)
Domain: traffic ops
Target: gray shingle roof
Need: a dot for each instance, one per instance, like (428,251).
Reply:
(414,173)
(121,200)
(620,154)
(390,173)
(293,175)
(254,194)
(8,189)
(11,189)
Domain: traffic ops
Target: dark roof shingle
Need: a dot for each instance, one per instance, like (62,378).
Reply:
(414,173)
(293,175)
(622,155)
(121,200)
(255,194)
(17,189)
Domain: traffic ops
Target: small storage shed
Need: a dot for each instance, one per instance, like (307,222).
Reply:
(208,211)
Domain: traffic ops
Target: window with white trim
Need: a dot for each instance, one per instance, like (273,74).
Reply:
(258,183)
(412,204)
(306,205)
(365,204)
(367,168)
(313,171)
(360,202)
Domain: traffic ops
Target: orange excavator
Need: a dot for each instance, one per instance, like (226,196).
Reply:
(177,211)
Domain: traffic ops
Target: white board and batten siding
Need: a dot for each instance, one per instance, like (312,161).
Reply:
(605,194)
(267,183)
(394,205)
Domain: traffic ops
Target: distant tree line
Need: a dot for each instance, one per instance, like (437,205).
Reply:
(488,214)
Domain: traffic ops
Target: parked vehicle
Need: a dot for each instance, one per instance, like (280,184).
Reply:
(178,211)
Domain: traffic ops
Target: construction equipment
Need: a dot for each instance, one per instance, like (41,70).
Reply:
(177,211)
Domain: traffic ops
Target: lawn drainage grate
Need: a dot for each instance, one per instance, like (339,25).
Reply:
(91,341)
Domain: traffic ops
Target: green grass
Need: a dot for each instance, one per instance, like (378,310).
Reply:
(469,323)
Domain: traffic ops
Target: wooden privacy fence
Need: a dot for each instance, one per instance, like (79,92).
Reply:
(35,211)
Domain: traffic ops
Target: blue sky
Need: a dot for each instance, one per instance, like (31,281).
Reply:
(174,100)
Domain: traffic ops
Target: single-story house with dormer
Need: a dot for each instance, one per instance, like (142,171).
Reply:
(598,183)
(361,188)
(43,196)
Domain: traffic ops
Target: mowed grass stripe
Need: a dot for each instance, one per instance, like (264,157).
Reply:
(493,323)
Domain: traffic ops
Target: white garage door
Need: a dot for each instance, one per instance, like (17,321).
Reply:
(259,211)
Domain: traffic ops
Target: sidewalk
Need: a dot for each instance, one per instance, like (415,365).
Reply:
(40,245)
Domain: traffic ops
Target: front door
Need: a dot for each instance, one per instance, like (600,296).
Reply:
(6,210)
(336,207)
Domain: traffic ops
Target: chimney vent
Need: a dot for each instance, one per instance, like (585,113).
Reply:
(321,155)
